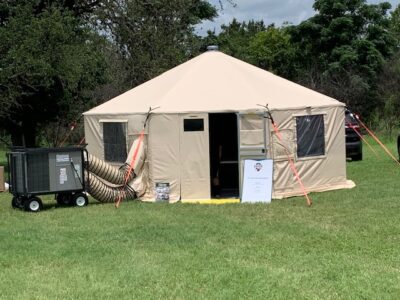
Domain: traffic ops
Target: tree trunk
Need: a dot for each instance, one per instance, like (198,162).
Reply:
(23,135)
(29,134)
(16,136)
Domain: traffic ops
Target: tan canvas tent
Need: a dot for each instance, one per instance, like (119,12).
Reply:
(209,120)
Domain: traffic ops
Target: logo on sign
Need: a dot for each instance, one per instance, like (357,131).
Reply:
(258,167)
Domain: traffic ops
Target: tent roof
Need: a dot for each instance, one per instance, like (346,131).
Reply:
(213,82)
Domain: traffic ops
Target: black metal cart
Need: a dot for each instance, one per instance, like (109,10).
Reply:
(41,171)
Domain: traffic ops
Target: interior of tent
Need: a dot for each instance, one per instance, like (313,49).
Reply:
(224,164)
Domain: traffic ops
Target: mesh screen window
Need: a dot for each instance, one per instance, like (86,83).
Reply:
(193,125)
(114,138)
(310,136)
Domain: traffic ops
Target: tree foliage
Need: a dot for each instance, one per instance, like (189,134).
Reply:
(272,50)
(49,63)
(58,57)
(343,48)
(153,36)
(341,51)
(395,26)
(234,38)
(54,54)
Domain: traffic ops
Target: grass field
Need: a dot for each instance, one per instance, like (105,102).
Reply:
(346,246)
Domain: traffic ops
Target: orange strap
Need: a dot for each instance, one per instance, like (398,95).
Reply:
(364,140)
(141,137)
(72,128)
(81,141)
(118,201)
(292,166)
(65,139)
(134,156)
(380,143)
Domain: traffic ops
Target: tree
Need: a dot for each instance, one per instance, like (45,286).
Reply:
(153,36)
(388,112)
(344,47)
(389,93)
(272,50)
(53,60)
(234,38)
(395,26)
(49,61)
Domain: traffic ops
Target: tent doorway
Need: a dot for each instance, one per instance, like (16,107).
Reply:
(224,166)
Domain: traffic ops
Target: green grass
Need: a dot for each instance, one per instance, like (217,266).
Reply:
(346,246)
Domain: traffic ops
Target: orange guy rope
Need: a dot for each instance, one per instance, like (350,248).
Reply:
(73,126)
(81,141)
(292,166)
(141,137)
(291,163)
(379,142)
(117,203)
(364,140)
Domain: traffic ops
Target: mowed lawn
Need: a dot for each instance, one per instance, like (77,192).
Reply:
(346,246)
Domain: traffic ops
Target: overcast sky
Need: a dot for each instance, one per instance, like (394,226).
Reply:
(271,11)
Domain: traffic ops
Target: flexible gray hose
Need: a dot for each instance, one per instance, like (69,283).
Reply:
(108,172)
(108,183)
(103,192)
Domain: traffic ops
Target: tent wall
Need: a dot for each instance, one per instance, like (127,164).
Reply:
(94,130)
(173,156)
(179,157)
(194,157)
(182,158)
(318,173)
(163,153)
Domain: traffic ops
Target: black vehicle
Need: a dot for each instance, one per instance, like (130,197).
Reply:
(353,140)
(398,146)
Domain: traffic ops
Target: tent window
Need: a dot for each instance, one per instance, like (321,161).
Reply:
(193,125)
(114,138)
(310,136)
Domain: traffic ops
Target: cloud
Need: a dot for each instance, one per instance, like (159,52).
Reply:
(270,11)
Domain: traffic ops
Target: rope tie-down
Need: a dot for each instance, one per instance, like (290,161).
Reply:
(131,169)
(108,183)
(290,160)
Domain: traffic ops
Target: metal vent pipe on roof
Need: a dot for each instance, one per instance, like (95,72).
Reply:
(212,48)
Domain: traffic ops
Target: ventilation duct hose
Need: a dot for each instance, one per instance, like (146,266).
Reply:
(108,172)
(116,175)
(105,193)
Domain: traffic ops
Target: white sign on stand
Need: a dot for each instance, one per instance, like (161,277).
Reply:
(257,180)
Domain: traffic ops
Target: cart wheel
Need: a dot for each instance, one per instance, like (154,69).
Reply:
(16,202)
(80,199)
(33,204)
(63,199)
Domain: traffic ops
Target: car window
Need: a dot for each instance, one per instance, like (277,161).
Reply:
(349,118)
